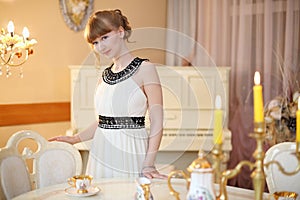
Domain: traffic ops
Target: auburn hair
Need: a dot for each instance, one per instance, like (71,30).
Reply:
(102,22)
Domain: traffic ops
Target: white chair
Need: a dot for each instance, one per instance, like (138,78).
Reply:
(276,180)
(14,176)
(53,162)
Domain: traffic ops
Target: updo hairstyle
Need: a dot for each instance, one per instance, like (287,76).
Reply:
(102,22)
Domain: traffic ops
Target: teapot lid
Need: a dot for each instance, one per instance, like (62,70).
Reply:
(199,163)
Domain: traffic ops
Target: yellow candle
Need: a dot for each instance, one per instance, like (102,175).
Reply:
(218,126)
(258,99)
(298,122)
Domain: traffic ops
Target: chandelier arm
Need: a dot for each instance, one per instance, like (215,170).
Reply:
(21,63)
(10,58)
(6,61)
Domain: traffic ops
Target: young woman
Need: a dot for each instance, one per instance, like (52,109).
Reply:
(128,88)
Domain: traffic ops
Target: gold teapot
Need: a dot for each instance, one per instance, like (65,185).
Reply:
(199,179)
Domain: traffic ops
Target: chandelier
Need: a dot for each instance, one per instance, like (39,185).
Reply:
(14,49)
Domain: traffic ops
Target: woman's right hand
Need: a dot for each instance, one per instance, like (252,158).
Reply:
(63,138)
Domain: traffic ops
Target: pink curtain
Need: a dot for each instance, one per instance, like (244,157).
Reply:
(249,36)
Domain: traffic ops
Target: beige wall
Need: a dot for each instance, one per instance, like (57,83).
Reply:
(46,74)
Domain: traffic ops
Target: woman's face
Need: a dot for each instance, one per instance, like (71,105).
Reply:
(109,44)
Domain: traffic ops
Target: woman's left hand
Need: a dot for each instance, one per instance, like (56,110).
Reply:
(151,172)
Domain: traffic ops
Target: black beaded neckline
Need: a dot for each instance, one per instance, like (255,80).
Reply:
(112,78)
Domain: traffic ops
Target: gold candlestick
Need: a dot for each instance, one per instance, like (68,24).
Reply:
(217,156)
(258,175)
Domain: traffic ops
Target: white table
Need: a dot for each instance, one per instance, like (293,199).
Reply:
(122,189)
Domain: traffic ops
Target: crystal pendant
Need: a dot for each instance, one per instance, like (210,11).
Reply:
(21,72)
(8,72)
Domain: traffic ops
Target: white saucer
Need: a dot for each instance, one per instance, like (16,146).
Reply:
(71,191)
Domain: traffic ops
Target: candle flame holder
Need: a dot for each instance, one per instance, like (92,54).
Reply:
(257,167)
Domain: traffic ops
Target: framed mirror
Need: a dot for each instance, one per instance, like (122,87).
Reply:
(76,13)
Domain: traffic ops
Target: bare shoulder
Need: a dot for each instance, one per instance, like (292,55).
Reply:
(147,67)
(148,73)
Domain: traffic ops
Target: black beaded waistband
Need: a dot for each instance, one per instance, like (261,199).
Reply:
(121,122)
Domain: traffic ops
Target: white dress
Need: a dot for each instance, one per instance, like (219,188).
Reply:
(119,152)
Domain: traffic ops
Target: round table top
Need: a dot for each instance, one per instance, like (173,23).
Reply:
(118,188)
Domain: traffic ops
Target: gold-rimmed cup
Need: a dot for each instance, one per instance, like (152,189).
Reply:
(143,189)
(81,183)
(282,195)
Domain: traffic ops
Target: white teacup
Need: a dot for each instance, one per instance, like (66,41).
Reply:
(81,183)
